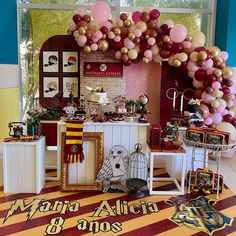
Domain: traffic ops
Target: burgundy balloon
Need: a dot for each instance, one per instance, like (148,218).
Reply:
(212,110)
(104,29)
(200,74)
(164,53)
(154,14)
(219,79)
(145,16)
(233,122)
(153,33)
(183,67)
(198,93)
(76,18)
(164,27)
(176,47)
(124,32)
(167,46)
(206,83)
(128,63)
(228,118)
(201,63)
(199,49)
(123,16)
(144,45)
(89,42)
(86,18)
(209,90)
(211,78)
(151,24)
(160,43)
(227,82)
(137,40)
(216,63)
(226,90)
(124,58)
(136,60)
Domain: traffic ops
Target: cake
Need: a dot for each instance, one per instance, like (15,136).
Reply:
(99,97)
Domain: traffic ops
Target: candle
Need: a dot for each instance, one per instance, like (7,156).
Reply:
(181,103)
(174,100)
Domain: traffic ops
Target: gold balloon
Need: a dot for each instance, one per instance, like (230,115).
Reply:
(176,63)
(147,36)
(127,23)
(119,23)
(132,54)
(103,45)
(111,35)
(82,31)
(227,72)
(189,38)
(191,74)
(217,72)
(194,56)
(222,65)
(145,60)
(93,26)
(182,57)
(214,51)
(76,34)
(166,39)
(117,31)
(154,49)
(131,36)
(87,49)
(171,60)
(123,50)
(202,56)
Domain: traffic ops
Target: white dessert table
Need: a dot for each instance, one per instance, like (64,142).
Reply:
(153,154)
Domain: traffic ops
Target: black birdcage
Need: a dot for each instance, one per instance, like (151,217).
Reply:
(137,172)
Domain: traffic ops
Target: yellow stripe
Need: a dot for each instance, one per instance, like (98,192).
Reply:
(72,133)
(69,125)
(73,141)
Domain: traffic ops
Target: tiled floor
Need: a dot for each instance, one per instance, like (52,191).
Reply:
(228,170)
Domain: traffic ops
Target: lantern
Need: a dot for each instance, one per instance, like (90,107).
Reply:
(137,172)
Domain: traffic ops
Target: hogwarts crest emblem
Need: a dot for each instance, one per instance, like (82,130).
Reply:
(198,214)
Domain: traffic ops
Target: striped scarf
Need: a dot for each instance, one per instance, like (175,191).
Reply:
(74,142)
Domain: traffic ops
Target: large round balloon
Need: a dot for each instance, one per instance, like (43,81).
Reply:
(178,33)
(198,39)
(227,127)
(100,11)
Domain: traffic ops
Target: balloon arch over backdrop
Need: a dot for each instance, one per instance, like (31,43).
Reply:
(144,39)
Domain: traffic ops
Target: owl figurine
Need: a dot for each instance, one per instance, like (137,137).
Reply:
(115,165)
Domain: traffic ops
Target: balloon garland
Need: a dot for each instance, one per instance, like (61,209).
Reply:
(144,39)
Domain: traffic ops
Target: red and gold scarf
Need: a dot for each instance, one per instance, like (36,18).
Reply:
(74,142)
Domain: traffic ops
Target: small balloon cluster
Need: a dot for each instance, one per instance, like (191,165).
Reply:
(144,39)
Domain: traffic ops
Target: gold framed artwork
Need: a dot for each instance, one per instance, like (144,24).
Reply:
(81,176)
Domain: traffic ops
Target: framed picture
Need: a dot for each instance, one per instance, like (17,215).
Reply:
(50,86)
(70,62)
(81,176)
(50,61)
(70,85)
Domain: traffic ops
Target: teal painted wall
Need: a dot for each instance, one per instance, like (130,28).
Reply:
(8,32)
(225,34)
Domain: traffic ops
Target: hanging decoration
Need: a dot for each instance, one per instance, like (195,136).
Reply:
(143,38)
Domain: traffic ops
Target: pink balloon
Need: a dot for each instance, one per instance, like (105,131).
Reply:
(107,24)
(94,47)
(136,16)
(210,71)
(208,120)
(178,33)
(225,112)
(151,41)
(228,154)
(219,109)
(208,64)
(216,85)
(129,43)
(137,33)
(148,54)
(187,44)
(117,38)
(95,39)
(192,66)
(224,55)
(81,11)
(170,23)
(118,55)
(72,27)
(82,40)
(100,11)
(216,118)
(98,35)
(197,83)
(207,98)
